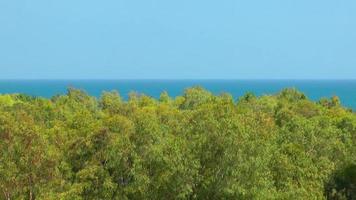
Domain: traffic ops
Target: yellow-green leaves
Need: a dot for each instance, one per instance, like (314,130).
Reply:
(195,146)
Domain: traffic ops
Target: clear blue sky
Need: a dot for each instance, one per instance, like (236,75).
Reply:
(130,39)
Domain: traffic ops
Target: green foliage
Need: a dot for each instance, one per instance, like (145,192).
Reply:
(342,184)
(194,146)
(6,100)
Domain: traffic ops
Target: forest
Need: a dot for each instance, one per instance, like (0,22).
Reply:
(194,146)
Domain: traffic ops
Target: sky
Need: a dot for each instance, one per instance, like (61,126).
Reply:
(178,39)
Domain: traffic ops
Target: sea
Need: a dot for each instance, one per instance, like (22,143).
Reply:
(314,89)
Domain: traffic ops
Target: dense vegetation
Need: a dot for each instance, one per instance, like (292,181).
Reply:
(195,146)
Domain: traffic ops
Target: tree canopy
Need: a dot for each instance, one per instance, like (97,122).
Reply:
(194,146)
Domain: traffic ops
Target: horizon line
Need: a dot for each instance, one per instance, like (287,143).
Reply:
(178,79)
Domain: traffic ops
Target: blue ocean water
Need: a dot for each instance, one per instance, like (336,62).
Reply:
(314,89)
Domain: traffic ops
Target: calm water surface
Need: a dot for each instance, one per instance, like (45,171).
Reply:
(314,89)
